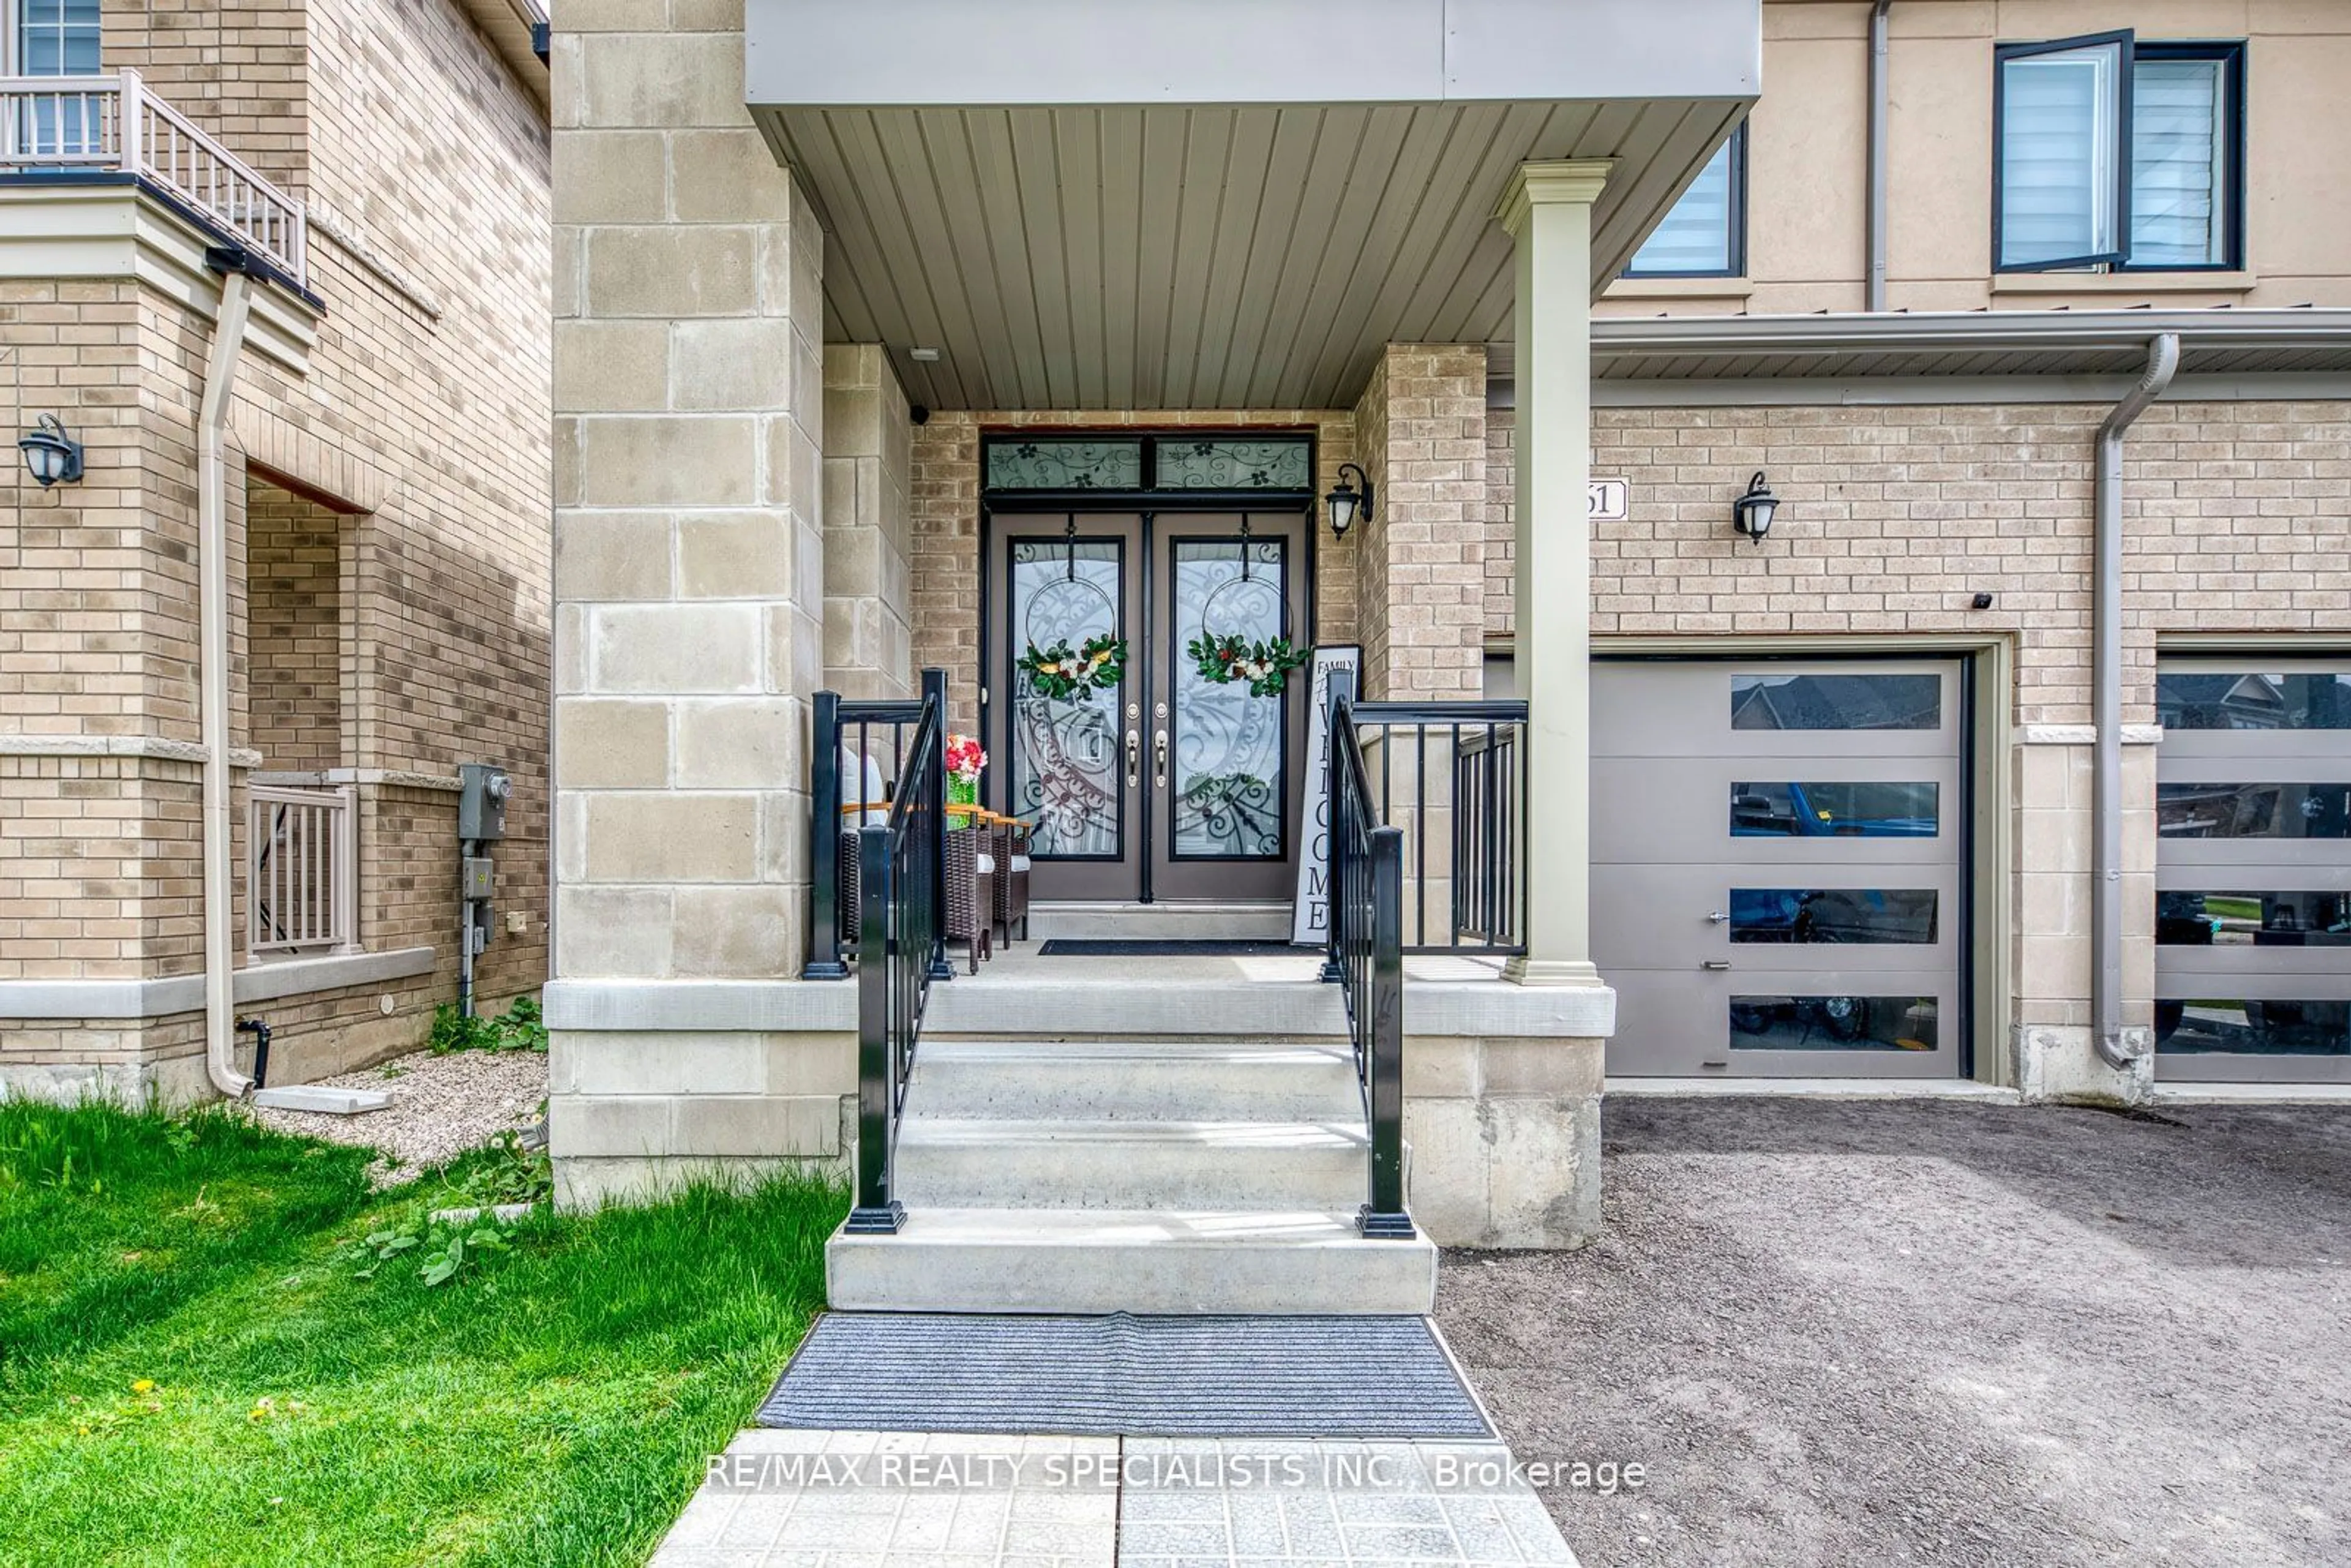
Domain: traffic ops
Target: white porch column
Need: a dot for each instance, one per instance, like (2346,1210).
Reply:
(1548,211)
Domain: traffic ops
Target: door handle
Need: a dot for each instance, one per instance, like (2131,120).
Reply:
(1719,918)
(1134,758)
(1716,964)
(1159,760)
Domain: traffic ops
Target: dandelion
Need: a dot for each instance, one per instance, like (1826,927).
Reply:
(144,1385)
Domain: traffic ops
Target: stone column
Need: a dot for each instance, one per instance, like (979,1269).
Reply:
(689,590)
(1547,212)
(868,589)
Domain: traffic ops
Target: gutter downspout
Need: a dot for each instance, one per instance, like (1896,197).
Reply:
(1873,284)
(2106,677)
(212,618)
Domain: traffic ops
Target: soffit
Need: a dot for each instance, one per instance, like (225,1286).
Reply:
(1174,256)
(2213,342)
(509,26)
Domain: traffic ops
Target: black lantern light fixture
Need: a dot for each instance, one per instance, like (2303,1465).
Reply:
(1752,513)
(51,456)
(1346,505)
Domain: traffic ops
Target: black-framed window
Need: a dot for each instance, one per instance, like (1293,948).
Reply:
(1704,235)
(2112,151)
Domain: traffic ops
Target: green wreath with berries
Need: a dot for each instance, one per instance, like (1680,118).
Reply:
(1062,672)
(1264,664)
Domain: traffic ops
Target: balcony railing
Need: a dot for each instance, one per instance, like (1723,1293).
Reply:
(112,124)
(301,884)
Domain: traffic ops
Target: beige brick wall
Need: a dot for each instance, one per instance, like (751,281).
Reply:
(416,442)
(1421,564)
(293,630)
(2236,515)
(241,67)
(946,485)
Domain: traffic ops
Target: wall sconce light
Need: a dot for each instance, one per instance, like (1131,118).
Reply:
(51,455)
(1346,504)
(1752,513)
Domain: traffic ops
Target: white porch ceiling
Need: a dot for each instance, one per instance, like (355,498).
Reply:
(1164,206)
(1198,258)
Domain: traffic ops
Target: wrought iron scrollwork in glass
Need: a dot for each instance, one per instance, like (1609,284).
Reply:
(1229,780)
(1276,464)
(1065,754)
(1065,464)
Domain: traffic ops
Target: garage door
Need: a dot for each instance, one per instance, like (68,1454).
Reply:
(1776,873)
(2252,958)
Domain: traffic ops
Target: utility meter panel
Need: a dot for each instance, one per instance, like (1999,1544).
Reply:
(482,801)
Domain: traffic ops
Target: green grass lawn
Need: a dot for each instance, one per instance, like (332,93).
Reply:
(193,1370)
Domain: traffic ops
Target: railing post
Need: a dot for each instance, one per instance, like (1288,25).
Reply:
(1384,1215)
(825,822)
(878,1211)
(1340,731)
(130,126)
(934,801)
(346,870)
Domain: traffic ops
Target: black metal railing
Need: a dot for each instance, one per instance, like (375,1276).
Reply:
(1366,957)
(899,951)
(880,731)
(1454,774)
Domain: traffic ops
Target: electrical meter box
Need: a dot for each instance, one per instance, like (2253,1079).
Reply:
(476,878)
(482,801)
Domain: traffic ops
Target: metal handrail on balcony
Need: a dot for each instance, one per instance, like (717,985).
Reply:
(112,124)
(301,884)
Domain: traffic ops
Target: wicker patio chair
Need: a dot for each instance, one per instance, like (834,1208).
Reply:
(970,891)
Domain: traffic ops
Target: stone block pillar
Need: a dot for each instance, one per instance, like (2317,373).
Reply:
(689,599)
(1547,212)
(868,585)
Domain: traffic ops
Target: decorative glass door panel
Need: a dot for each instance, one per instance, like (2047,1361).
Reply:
(1229,787)
(1065,755)
(1170,786)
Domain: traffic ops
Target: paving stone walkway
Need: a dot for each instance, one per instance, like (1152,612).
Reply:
(783,1498)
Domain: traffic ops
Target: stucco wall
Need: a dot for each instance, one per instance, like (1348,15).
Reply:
(1807,156)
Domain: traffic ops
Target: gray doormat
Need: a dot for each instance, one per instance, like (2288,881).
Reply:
(1142,1376)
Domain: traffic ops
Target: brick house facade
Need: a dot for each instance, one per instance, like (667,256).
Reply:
(386,504)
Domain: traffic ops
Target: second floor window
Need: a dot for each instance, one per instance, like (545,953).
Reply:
(56,38)
(2110,151)
(1704,235)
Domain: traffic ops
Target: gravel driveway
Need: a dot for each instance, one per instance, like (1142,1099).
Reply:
(1936,1333)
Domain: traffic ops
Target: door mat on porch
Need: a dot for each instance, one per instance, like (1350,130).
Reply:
(1142,1376)
(1121,947)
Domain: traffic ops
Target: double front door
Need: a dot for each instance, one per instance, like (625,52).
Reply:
(1166,785)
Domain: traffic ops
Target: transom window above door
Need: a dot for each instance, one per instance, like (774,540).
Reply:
(1276,464)
(2113,152)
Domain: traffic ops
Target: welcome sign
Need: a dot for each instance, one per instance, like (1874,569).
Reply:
(1310,914)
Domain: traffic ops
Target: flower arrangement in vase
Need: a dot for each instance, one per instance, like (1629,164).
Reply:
(965,761)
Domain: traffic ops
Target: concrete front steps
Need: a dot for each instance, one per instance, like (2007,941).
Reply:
(1193,1176)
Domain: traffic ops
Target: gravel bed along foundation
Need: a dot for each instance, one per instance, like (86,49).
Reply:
(441,1106)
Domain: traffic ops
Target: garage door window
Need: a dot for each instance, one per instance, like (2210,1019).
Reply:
(2239,699)
(2200,810)
(1867,810)
(2268,1027)
(2252,919)
(1832,1023)
(1836,702)
(1856,914)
